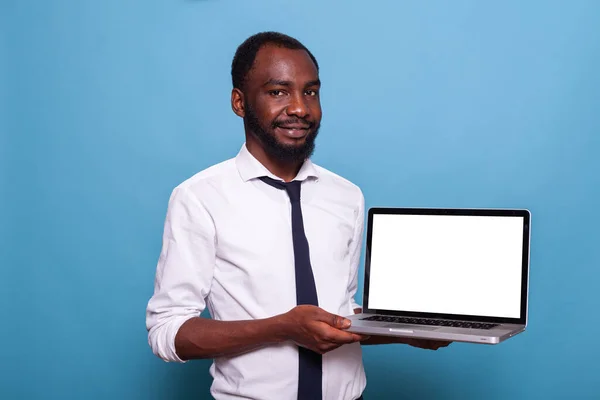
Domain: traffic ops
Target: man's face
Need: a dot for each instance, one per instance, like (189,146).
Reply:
(281,102)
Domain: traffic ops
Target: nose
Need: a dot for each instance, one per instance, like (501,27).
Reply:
(298,106)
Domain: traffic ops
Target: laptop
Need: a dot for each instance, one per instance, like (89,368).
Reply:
(446,274)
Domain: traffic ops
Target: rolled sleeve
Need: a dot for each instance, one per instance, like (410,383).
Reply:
(355,253)
(183,274)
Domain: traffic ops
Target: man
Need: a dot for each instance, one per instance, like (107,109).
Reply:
(270,243)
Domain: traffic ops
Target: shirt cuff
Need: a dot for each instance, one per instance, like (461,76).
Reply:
(162,339)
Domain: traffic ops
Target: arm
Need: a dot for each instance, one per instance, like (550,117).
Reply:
(307,326)
(184,272)
(183,279)
(354,252)
(205,338)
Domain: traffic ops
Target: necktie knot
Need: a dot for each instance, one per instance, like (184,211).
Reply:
(292,188)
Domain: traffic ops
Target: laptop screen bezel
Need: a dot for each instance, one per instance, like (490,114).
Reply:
(522,320)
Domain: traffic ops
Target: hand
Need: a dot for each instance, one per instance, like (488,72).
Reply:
(316,329)
(426,343)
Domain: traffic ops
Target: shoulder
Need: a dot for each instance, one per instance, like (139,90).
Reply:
(205,181)
(344,188)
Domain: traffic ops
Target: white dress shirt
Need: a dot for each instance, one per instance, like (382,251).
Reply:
(227,245)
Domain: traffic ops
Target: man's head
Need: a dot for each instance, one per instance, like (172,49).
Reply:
(276,90)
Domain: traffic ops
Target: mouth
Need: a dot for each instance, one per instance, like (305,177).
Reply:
(294,131)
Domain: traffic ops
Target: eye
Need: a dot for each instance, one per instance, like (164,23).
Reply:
(276,93)
(312,92)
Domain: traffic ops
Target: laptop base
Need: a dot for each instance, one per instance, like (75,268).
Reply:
(494,335)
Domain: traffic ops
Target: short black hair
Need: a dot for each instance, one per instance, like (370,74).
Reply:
(245,55)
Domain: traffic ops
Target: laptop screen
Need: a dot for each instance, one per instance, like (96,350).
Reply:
(447,264)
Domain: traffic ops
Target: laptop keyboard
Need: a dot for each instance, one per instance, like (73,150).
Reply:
(435,322)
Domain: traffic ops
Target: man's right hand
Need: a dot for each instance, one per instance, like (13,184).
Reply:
(316,329)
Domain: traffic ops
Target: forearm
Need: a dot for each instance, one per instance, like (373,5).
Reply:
(206,338)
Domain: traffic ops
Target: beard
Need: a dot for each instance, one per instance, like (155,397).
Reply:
(272,146)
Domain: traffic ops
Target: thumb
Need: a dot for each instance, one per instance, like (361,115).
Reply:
(336,321)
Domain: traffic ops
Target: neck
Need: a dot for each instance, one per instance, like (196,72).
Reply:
(284,170)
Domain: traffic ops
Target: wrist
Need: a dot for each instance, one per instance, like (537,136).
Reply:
(280,327)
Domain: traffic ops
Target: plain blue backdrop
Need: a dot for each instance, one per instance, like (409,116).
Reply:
(107,105)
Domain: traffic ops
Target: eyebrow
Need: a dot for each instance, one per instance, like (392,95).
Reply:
(277,82)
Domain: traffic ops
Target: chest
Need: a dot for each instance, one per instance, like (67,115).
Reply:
(255,253)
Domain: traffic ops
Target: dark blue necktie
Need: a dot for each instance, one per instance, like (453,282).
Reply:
(310,368)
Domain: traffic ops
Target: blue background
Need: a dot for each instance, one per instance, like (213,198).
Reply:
(107,105)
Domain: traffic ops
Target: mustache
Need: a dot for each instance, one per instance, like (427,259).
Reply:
(292,121)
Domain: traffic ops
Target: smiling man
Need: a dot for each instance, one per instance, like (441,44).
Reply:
(270,243)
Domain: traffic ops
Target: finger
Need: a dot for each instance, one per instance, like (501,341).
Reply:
(439,344)
(326,347)
(321,347)
(341,336)
(359,338)
(422,344)
(333,320)
(429,344)
(333,335)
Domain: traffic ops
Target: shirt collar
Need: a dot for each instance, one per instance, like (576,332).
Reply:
(250,168)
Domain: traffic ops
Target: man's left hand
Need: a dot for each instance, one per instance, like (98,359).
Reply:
(414,342)
(426,343)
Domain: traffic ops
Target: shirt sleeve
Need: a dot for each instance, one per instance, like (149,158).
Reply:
(184,272)
(355,253)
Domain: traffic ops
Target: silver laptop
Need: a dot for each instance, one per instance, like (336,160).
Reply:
(446,274)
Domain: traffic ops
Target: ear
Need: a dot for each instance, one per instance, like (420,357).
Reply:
(237,102)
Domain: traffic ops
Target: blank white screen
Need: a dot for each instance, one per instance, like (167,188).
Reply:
(468,265)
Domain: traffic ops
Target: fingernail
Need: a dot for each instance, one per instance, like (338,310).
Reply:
(346,323)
